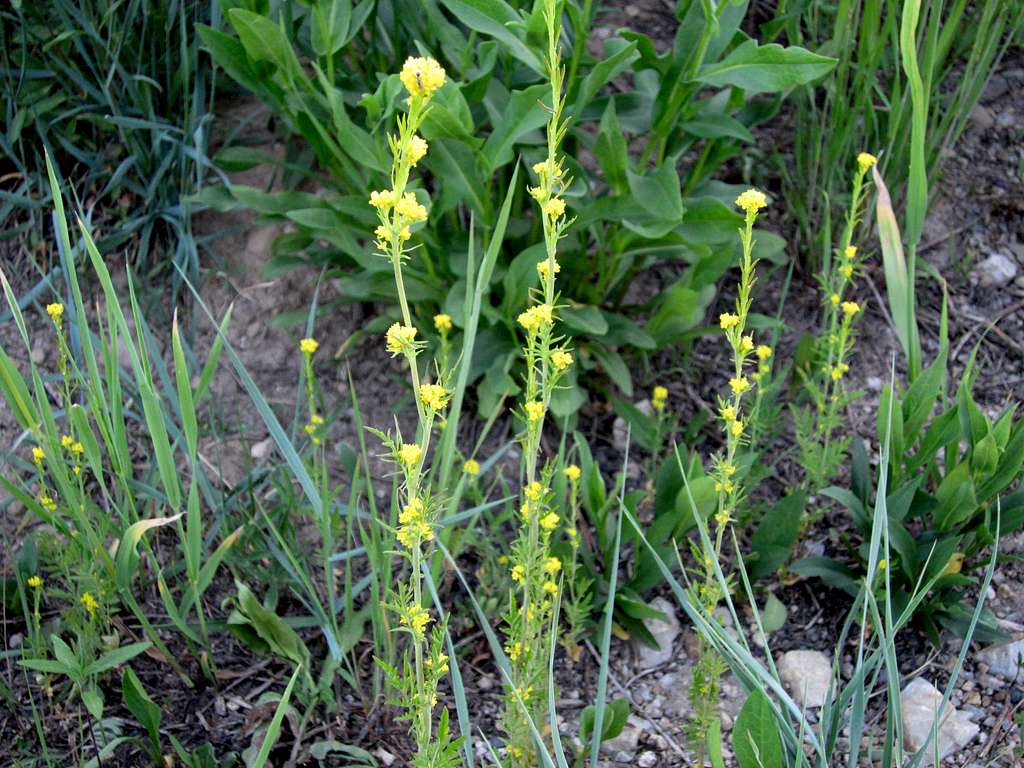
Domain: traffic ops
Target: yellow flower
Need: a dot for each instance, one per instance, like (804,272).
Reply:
(409,453)
(91,606)
(729,413)
(552,565)
(443,323)
(514,650)
(728,320)
(434,396)
(728,470)
(850,308)
(55,311)
(752,201)
(554,207)
(747,345)
(422,76)
(382,200)
(400,338)
(865,161)
(47,502)
(471,467)
(38,456)
(410,208)
(540,168)
(542,268)
(35,582)
(764,352)
(659,396)
(834,298)
(535,491)
(850,251)
(573,472)
(549,522)
(66,441)
(561,359)
(846,270)
(882,564)
(534,411)
(739,385)
(309,346)
(518,574)
(551,587)
(417,149)
(736,428)
(78,449)
(417,619)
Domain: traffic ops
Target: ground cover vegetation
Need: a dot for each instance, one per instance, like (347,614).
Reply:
(500,187)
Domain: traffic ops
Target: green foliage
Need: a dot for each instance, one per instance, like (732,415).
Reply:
(905,70)
(951,471)
(628,213)
(119,95)
(755,738)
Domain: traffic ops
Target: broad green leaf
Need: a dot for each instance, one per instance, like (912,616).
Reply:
(499,20)
(587,320)
(898,288)
(772,542)
(328,26)
(755,738)
(265,41)
(117,657)
(773,615)
(139,703)
(524,112)
(766,68)
(127,555)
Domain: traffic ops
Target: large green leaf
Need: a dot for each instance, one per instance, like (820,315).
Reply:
(755,739)
(524,112)
(766,68)
(499,20)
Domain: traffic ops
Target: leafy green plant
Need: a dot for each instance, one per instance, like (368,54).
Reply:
(949,473)
(119,95)
(903,69)
(316,67)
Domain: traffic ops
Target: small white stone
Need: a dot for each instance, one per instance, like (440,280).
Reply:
(261,449)
(665,632)
(807,675)
(921,702)
(647,760)
(998,269)
(1003,659)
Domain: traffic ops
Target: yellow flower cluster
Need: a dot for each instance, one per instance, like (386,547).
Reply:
(572,472)
(728,321)
(409,454)
(90,604)
(400,338)
(471,467)
(443,323)
(47,502)
(416,618)
(309,346)
(414,526)
(38,456)
(659,397)
(536,318)
(417,149)
(534,411)
(35,582)
(55,311)
(865,160)
(542,268)
(549,522)
(561,359)
(752,201)
(434,396)
(422,76)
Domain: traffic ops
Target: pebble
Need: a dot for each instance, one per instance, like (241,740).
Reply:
(647,760)
(921,700)
(807,675)
(1003,658)
(261,449)
(665,632)
(997,270)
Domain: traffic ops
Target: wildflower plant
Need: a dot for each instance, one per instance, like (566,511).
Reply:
(534,570)
(424,664)
(706,590)
(822,450)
